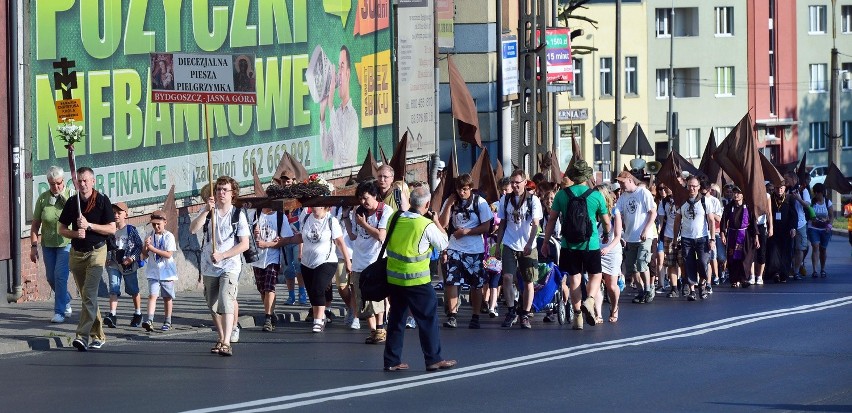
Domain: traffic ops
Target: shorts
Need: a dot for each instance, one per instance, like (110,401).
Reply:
(161,288)
(611,263)
(819,236)
(494,278)
(291,265)
(672,250)
(637,256)
(220,293)
(266,278)
(574,262)
(660,246)
(462,268)
(801,241)
(514,262)
(317,280)
(760,253)
(720,254)
(341,276)
(131,282)
(368,308)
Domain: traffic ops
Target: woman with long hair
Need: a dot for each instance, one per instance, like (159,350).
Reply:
(611,256)
(819,228)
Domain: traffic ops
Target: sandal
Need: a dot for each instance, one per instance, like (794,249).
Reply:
(598,320)
(225,351)
(613,316)
(823,274)
(215,349)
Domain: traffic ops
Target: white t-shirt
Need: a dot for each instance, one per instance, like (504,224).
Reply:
(318,235)
(225,237)
(368,247)
(714,205)
(635,207)
(466,218)
(670,214)
(761,220)
(803,219)
(693,221)
(821,211)
(517,232)
(157,267)
(267,226)
(338,213)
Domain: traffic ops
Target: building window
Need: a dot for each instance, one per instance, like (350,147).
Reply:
(725,81)
(631,78)
(577,86)
(662,83)
(847,134)
(846,19)
(692,144)
(664,23)
(818,136)
(818,75)
(846,77)
(687,83)
(816,19)
(724,21)
(606,76)
(722,132)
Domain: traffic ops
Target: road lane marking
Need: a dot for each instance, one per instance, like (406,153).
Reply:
(385,386)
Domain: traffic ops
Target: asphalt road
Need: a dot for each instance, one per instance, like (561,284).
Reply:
(770,348)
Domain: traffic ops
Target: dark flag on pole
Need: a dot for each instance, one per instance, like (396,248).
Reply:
(483,177)
(384,157)
(770,173)
(672,169)
(290,167)
(369,168)
(802,169)
(400,156)
(835,180)
(464,109)
(258,187)
(739,158)
(708,165)
(447,186)
(498,170)
(170,208)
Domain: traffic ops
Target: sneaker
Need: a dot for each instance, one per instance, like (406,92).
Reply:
(329,316)
(110,320)
(58,318)
(465,287)
(483,309)
(355,324)
(148,325)
(319,326)
(751,280)
(649,296)
(474,323)
(673,293)
(709,289)
(235,335)
(759,281)
(166,327)
(80,345)
(525,322)
(577,322)
(439,286)
(96,344)
(136,321)
(691,296)
(410,323)
(798,277)
(290,301)
(267,325)
(588,309)
(510,320)
(68,310)
(715,280)
(451,322)
(815,275)
(705,293)
(639,298)
(823,274)
(350,315)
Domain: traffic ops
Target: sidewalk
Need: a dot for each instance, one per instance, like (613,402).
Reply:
(27,326)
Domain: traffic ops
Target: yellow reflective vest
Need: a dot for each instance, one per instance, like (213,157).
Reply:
(407,266)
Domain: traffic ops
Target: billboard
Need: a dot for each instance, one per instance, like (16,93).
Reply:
(416,70)
(560,66)
(445,11)
(321,73)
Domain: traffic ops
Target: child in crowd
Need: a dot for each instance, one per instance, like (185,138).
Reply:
(122,264)
(161,270)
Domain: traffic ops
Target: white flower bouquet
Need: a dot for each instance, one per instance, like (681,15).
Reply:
(70,133)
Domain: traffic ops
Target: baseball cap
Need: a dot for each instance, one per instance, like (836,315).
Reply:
(158,216)
(121,206)
(625,175)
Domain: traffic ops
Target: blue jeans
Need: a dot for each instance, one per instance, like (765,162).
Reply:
(56,264)
(131,282)
(696,255)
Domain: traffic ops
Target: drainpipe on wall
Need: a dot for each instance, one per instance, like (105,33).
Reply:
(14,290)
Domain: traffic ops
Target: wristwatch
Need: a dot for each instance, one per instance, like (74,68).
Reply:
(89,228)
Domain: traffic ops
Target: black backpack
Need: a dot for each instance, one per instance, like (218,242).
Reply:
(576,222)
(251,254)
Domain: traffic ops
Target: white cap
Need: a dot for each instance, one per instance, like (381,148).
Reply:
(440,165)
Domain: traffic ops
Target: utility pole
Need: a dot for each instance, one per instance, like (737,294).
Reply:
(617,68)
(834,105)
(670,126)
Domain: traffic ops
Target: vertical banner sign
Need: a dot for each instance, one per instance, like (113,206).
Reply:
(416,70)
(510,64)
(307,77)
(445,10)
(560,66)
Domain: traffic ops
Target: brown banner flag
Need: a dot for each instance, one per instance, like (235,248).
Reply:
(290,167)
(400,156)
(464,109)
(708,166)
(369,169)
(384,157)
(739,158)
(258,187)
(835,180)
(447,186)
(483,177)
(669,173)
(170,208)
(498,170)
(770,173)
(555,170)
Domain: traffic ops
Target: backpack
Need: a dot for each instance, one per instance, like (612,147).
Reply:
(474,202)
(703,206)
(251,254)
(576,223)
(506,204)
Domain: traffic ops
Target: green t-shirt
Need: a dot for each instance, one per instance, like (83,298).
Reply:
(48,214)
(596,205)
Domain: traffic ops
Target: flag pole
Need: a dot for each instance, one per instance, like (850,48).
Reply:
(210,178)
(72,163)
(455,126)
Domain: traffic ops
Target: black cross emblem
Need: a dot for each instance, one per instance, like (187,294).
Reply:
(64,80)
